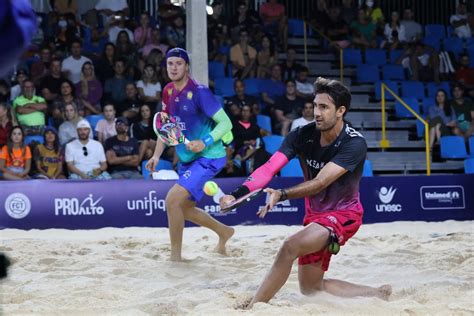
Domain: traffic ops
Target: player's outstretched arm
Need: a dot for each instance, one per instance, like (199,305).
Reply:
(258,179)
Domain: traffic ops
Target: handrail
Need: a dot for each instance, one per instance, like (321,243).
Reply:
(385,143)
(334,44)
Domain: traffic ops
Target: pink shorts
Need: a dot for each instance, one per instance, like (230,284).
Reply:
(343,223)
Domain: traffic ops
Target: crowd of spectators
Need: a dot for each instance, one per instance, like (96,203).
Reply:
(106,62)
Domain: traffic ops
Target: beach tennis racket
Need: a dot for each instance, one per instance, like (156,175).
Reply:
(242,200)
(168,130)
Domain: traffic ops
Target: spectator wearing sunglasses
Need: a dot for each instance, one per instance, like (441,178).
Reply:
(85,157)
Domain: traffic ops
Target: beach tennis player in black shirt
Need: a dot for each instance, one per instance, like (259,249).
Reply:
(332,155)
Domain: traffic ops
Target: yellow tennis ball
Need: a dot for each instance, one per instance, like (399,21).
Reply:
(211,188)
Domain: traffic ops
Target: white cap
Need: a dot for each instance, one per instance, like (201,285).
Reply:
(83,124)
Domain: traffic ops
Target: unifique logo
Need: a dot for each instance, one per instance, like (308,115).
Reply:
(189,95)
(386,195)
(442,197)
(17,205)
(71,206)
(149,204)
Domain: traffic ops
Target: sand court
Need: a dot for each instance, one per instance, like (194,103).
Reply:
(126,271)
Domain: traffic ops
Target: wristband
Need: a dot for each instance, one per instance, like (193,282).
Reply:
(240,191)
(207,140)
(283,196)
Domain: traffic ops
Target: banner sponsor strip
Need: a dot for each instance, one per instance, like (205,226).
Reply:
(39,204)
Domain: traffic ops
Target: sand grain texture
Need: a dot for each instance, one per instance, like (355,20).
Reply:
(126,272)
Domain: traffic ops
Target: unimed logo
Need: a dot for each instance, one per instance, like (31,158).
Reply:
(442,197)
(386,196)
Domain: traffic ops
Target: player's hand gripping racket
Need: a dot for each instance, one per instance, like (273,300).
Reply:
(168,130)
(242,200)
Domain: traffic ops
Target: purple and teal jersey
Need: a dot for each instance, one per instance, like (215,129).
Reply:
(193,107)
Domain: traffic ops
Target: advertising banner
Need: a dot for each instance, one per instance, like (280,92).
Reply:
(41,204)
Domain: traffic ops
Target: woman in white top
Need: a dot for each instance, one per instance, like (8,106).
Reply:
(394,33)
(68,130)
(105,127)
(149,88)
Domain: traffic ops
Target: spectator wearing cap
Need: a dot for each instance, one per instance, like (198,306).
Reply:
(49,156)
(30,110)
(72,66)
(105,127)
(122,152)
(67,129)
(21,76)
(85,157)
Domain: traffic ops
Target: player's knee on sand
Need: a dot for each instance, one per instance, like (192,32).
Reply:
(310,289)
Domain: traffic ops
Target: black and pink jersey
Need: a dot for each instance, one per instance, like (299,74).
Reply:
(347,151)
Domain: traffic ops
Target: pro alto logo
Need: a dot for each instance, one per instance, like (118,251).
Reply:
(386,196)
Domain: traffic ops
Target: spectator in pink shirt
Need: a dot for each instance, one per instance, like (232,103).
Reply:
(106,127)
(155,43)
(142,34)
(274,20)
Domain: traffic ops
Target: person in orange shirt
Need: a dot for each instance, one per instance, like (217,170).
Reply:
(15,157)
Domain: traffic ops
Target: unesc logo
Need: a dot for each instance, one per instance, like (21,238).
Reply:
(17,205)
(386,197)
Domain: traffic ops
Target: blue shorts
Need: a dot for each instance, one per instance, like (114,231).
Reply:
(193,175)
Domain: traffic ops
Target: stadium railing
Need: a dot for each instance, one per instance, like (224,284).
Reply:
(333,44)
(385,143)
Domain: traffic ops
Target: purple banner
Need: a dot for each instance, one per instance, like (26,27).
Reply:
(69,204)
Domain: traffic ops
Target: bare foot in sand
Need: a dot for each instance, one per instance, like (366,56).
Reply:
(384,292)
(180,259)
(220,248)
